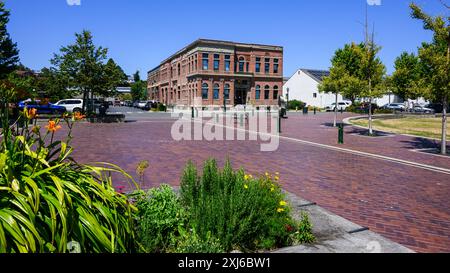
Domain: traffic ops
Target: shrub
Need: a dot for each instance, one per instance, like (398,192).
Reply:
(162,107)
(159,219)
(48,201)
(190,242)
(296,104)
(242,212)
(303,231)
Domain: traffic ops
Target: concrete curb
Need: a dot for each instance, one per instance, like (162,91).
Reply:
(335,234)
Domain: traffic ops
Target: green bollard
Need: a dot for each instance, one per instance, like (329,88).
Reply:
(192,110)
(341,134)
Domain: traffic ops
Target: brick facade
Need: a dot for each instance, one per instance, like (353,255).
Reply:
(206,71)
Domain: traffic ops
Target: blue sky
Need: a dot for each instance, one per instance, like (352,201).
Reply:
(141,33)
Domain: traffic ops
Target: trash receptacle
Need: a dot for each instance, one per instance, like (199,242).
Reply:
(341,133)
(102,110)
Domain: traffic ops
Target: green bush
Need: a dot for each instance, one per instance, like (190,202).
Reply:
(190,242)
(48,201)
(242,212)
(162,107)
(296,104)
(304,232)
(159,219)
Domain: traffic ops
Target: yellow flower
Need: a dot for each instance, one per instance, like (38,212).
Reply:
(52,126)
(280,210)
(272,189)
(277,173)
(247,177)
(283,203)
(277,178)
(267,174)
(246,186)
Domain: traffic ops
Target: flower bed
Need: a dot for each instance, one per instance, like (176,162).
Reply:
(218,211)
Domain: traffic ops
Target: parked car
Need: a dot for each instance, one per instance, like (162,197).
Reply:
(42,107)
(117,103)
(71,105)
(365,107)
(141,104)
(423,110)
(437,107)
(342,106)
(150,105)
(394,107)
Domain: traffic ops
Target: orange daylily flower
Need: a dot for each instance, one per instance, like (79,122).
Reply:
(79,116)
(52,127)
(32,113)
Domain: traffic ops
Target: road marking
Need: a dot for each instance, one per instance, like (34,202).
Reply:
(349,151)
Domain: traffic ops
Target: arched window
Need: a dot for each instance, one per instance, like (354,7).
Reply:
(216,91)
(226,92)
(258,92)
(179,69)
(241,64)
(205,91)
(275,92)
(267,92)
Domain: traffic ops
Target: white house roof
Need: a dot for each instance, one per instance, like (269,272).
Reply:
(316,75)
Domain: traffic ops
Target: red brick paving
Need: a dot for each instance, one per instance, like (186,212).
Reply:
(405,204)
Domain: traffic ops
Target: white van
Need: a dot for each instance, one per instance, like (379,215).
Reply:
(72,105)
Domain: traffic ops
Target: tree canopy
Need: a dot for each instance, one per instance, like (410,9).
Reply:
(9,54)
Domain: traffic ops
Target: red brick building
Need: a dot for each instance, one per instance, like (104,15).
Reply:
(207,71)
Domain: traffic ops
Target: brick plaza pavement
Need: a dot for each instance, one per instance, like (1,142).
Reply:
(406,204)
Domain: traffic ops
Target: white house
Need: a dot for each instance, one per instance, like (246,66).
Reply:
(303,86)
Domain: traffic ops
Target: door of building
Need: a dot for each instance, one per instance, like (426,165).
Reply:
(240,96)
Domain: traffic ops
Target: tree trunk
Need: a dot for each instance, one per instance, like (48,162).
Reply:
(444,126)
(335,111)
(370,108)
(370,117)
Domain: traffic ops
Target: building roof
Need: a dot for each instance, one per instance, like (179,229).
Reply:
(317,75)
(217,42)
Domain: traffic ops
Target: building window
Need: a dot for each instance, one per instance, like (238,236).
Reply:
(216,62)
(267,66)
(179,95)
(258,92)
(227,62)
(276,66)
(315,95)
(258,65)
(205,61)
(216,91)
(266,92)
(275,92)
(179,69)
(205,91)
(241,64)
(226,92)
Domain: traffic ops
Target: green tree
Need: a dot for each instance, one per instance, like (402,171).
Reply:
(373,76)
(340,81)
(9,54)
(138,88)
(356,72)
(82,64)
(55,85)
(24,85)
(435,58)
(408,72)
(113,77)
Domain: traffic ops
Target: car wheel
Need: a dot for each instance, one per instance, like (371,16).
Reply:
(76,110)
